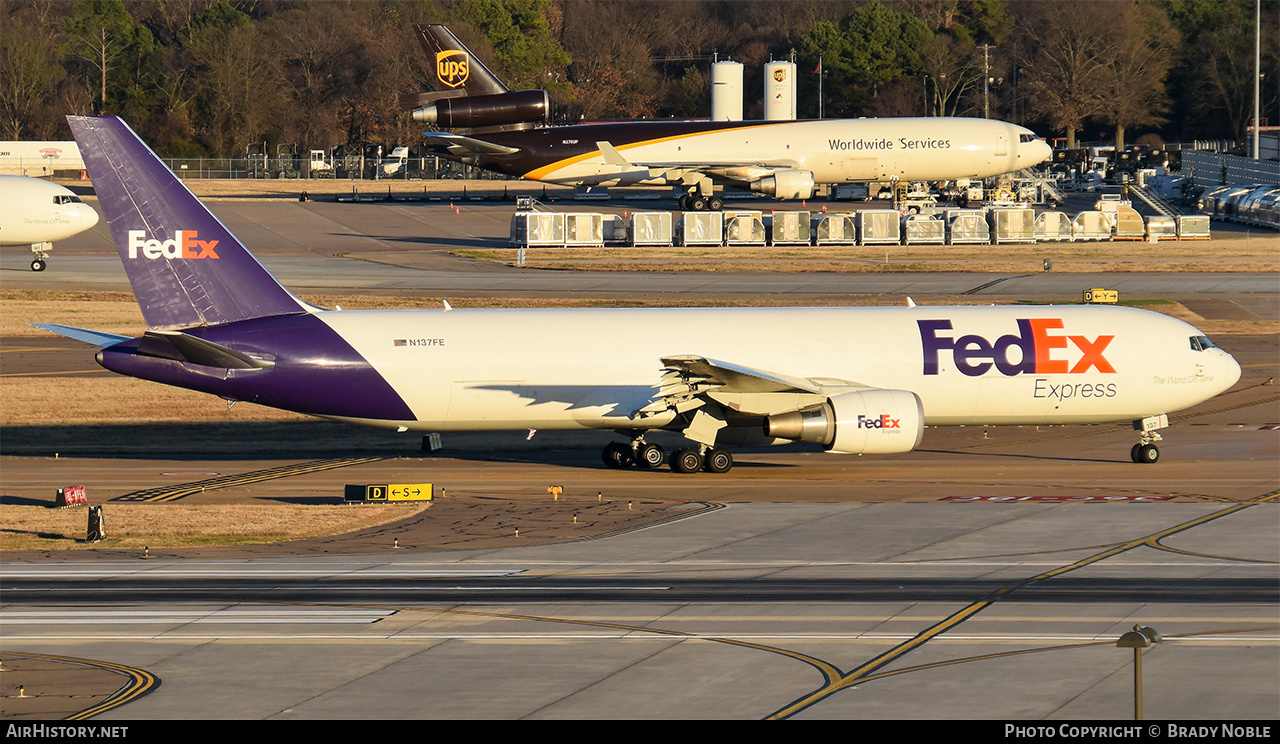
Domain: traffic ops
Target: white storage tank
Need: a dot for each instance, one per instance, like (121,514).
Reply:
(780,91)
(726,91)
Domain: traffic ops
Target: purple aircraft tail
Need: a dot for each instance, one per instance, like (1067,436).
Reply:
(186,268)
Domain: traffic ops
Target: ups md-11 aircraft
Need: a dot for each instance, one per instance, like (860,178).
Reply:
(36,212)
(784,159)
(853,380)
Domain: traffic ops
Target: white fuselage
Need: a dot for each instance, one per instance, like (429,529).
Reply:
(579,369)
(35,211)
(834,150)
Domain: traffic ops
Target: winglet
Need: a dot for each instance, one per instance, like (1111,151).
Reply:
(611,154)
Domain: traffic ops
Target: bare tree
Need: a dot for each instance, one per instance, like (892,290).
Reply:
(1139,43)
(1063,73)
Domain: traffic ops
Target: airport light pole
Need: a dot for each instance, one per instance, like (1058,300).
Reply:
(1137,639)
(986,81)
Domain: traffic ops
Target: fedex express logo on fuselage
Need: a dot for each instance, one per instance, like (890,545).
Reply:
(184,244)
(1042,349)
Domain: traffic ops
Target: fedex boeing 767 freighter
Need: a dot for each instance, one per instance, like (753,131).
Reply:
(853,379)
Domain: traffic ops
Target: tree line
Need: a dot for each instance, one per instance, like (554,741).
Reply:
(214,77)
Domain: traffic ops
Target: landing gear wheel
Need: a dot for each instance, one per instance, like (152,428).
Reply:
(1148,454)
(715,204)
(698,203)
(617,455)
(1133,453)
(650,456)
(686,461)
(37,265)
(719,461)
(684,203)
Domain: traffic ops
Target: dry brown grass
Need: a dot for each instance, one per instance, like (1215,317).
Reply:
(166,526)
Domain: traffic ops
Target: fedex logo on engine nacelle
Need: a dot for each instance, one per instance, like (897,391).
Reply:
(883,421)
(1040,351)
(184,244)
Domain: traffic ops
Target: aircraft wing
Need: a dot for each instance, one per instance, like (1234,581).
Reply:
(97,338)
(688,381)
(459,145)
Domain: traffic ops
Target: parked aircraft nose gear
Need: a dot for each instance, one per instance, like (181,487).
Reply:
(37,265)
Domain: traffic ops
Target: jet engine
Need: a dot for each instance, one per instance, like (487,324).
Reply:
(877,422)
(786,183)
(469,112)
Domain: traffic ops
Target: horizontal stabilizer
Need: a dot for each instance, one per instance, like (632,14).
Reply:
(457,144)
(411,101)
(97,338)
(183,347)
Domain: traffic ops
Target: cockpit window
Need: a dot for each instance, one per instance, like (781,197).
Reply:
(1201,343)
(65,199)
(1027,138)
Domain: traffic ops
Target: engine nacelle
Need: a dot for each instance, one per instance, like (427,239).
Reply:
(876,422)
(470,112)
(786,183)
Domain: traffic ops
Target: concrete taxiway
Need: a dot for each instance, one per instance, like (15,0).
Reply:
(751,611)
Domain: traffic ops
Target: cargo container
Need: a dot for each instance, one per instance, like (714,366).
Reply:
(834,229)
(919,229)
(790,228)
(967,227)
(529,229)
(1053,227)
(701,228)
(651,228)
(879,227)
(1015,225)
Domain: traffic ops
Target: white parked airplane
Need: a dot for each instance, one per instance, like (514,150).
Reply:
(785,159)
(852,379)
(36,212)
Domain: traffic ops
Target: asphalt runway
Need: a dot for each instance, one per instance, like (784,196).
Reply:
(986,575)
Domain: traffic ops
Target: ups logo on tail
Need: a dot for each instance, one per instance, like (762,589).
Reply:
(452,67)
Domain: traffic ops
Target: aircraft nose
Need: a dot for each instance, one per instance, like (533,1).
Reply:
(1042,151)
(1230,371)
(88,217)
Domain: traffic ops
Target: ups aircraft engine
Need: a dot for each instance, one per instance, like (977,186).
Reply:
(786,183)
(519,107)
(874,422)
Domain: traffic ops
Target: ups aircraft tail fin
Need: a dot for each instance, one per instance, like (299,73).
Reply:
(456,67)
(186,268)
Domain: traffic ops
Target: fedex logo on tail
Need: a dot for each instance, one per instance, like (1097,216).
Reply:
(184,244)
(1042,348)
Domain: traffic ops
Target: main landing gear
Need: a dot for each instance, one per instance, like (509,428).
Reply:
(648,456)
(694,201)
